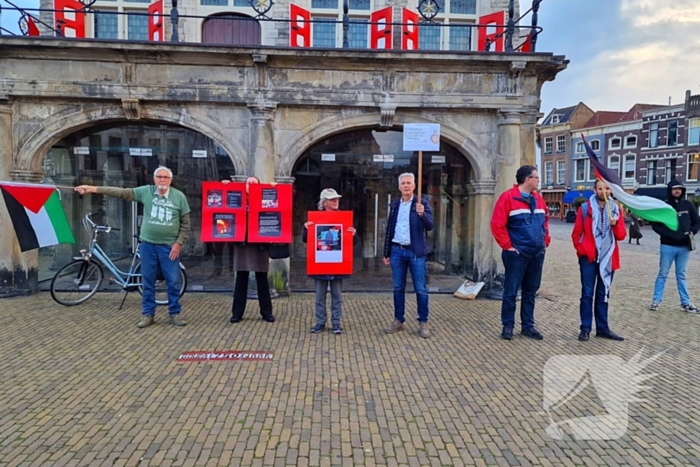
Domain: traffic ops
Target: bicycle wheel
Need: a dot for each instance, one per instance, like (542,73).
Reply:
(76,282)
(162,288)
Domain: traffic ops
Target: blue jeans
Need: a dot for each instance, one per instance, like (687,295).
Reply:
(592,286)
(521,273)
(336,301)
(403,259)
(669,254)
(153,257)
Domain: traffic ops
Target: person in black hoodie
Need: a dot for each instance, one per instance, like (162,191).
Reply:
(676,246)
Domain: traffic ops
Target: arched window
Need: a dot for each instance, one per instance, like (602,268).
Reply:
(231,29)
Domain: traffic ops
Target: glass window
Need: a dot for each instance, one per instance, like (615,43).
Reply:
(580,147)
(460,37)
(357,34)
(238,2)
(561,143)
(219,2)
(615,143)
(694,131)
(614,164)
(464,7)
(137,29)
(651,173)
(672,139)
(548,145)
(548,173)
(561,172)
(106,25)
(591,171)
(631,142)
(580,170)
(693,165)
(630,169)
(670,170)
(324,3)
(323,33)
(429,37)
(595,145)
(359,4)
(654,135)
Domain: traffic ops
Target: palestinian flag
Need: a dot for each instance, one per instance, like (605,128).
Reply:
(646,207)
(36,214)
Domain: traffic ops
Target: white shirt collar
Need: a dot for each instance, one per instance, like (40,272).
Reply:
(167,193)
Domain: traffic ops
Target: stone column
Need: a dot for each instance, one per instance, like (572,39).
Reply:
(509,160)
(261,157)
(527,140)
(481,200)
(8,240)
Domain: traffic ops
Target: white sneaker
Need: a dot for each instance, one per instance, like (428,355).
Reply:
(654,306)
(690,308)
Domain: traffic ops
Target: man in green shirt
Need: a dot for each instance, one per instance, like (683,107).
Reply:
(165,227)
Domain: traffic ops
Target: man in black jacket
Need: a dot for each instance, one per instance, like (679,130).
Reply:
(676,246)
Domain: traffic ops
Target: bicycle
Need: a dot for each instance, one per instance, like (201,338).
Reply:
(78,281)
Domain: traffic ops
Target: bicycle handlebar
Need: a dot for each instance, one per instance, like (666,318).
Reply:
(95,227)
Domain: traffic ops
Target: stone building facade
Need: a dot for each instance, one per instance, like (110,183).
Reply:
(270,112)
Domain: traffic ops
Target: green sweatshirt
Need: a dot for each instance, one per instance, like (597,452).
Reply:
(166,219)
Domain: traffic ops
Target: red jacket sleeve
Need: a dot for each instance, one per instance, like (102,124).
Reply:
(620,231)
(547,238)
(499,221)
(577,233)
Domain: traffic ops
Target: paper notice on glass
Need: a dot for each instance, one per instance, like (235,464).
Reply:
(421,137)
(329,243)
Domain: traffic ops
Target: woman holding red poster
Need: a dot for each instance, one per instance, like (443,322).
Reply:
(251,257)
(327,240)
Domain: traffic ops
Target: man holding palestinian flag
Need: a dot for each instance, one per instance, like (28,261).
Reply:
(676,221)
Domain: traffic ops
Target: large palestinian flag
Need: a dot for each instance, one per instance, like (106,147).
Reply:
(646,207)
(36,214)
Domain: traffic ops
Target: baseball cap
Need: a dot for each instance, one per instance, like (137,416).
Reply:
(330,193)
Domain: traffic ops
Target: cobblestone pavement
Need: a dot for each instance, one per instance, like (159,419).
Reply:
(83,386)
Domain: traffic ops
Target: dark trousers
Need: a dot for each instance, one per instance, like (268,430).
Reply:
(525,274)
(240,294)
(592,291)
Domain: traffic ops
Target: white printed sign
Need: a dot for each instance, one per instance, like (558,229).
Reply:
(328,157)
(199,153)
(421,137)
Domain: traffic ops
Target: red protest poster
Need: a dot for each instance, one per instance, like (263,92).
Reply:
(223,212)
(270,213)
(329,243)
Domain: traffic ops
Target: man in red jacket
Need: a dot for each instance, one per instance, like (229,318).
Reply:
(598,228)
(520,225)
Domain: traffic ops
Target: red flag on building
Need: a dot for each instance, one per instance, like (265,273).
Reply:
(32,30)
(155,21)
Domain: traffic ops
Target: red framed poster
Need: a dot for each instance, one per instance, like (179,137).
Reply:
(223,212)
(329,243)
(270,213)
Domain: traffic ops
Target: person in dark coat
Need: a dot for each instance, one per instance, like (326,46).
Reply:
(329,202)
(251,257)
(635,229)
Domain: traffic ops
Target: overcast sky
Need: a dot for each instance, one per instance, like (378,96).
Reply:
(621,51)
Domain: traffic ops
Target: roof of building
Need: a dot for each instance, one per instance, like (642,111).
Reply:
(635,113)
(604,117)
(564,115)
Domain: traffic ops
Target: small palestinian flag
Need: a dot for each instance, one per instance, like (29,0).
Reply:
(36,214)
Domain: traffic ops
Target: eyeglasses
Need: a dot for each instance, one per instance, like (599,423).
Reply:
(165,177)
(534,176)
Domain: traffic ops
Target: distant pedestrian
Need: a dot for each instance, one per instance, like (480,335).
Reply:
(597,230)
(635,229)
(520,225)
(676,246)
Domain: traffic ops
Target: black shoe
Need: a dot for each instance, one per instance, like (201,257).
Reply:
(533,333)
(318,328)
(609,335)
(235,319)
(507,333)
(268,318)
(337,329)
(584,336)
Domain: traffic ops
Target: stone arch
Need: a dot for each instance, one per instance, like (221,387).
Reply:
(38,143)
(477,157)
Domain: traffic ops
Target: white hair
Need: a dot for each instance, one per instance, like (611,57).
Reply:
(409,175)
(162,167)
